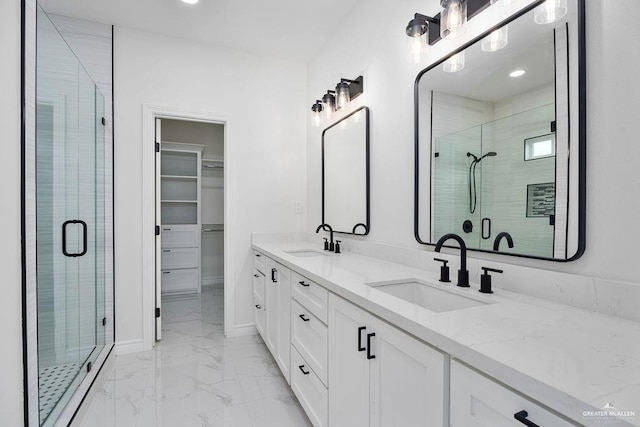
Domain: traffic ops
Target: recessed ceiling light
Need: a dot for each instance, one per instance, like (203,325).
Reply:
(517,73)
(190,1)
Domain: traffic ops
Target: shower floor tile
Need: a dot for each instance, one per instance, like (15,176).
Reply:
(53,382)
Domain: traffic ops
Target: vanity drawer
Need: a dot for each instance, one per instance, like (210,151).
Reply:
(309,336)
(258,283)
(309,390)
(180,280)
(180,236)
(311,295)
(259,262)
(479,401)
(180,258)
(260,315)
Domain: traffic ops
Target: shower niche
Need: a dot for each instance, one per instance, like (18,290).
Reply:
(500,144)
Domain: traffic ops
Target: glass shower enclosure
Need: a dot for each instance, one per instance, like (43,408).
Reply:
(71,184)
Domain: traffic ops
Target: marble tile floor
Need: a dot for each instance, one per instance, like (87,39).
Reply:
(195,377)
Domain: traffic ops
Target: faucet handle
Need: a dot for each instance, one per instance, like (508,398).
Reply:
(444,270)
(485,279)
(337,247)
(326,244)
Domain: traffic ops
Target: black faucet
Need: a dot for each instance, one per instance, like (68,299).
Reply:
(463,273)
(324,227)
(496,243)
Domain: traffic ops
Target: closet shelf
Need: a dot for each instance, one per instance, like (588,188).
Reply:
(178,177)
(179,201)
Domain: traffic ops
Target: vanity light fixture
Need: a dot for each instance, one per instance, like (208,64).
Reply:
(517,73)
(496,40)
(333,100)
(423,31)
(317,112)
(550,11)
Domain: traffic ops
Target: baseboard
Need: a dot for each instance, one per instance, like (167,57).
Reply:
(243,330)
(131,346)
(213,282)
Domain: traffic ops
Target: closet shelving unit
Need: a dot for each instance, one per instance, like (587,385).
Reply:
(180,201)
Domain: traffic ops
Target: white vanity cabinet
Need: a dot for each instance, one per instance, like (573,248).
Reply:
(477,400)
(379,375)
(277,304)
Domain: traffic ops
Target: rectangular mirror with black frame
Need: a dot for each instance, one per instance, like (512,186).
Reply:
(500,139)
(345,174)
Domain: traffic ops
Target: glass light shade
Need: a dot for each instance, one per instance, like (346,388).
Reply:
(316,119)
(454,64)
(550,11)
(453,20)
(342,95)
(417,46)
(328,105)
(503,3)
(496,40)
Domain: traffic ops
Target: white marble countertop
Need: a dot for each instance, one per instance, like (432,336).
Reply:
(568,359)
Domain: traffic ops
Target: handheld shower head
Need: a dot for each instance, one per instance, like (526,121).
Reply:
(489,154)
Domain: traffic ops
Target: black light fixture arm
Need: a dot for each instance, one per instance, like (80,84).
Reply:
(429,19)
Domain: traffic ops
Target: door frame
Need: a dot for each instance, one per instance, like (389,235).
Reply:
(149,115)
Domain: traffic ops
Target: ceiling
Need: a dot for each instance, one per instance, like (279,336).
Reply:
(288,29)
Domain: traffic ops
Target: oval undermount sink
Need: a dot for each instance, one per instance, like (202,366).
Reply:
(305,253)
(429,296)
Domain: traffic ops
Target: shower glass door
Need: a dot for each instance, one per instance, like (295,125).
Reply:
(70,221)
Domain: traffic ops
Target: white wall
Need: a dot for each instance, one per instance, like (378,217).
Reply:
(11,392)
(373,43)
(265,101)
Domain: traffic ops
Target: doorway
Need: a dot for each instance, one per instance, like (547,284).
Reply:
(172,122)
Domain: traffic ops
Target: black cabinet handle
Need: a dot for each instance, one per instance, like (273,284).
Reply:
(360,329)
(369,355)
(301,367)
(258,255)
(257,276)
(306,285)
(64,238)
(522,417)
(305,319)
(273,275)
(166,229)
(166,272)
(166,250)
(258,306)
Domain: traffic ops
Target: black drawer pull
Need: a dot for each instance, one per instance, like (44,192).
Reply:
(306,285)
(522,417)
(258,255)
(273,275)
(369,355)
(166,250)
(306,319)
(166,272)
(301,367)
(257,276)
(258,306)
(360,329)
(166,229)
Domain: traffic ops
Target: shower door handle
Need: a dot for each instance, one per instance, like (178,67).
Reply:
(64,238)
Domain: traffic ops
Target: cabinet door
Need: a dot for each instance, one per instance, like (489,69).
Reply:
(348,364)
(271,306)
(477,401)
(407,380)
(283,350)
